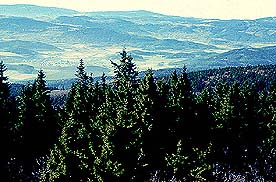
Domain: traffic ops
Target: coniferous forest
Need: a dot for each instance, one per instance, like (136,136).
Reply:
(183,127)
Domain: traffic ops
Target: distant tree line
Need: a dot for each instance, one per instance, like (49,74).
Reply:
(140,128)
(259,75)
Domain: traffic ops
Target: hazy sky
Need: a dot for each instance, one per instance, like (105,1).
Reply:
(224,9)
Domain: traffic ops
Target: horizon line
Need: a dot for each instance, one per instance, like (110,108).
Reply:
(134,10)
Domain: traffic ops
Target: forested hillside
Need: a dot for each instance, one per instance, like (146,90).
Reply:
(260,75)
(213,125)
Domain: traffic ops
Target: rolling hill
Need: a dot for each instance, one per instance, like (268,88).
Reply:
(54,39)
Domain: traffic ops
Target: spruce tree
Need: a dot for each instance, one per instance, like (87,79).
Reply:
(5,125)
(234,122)
(76,155)
(254,132)
(188,158)
(220,114)
(267,160)
(125,72)
(36,125)
(4,87)
(126,137)
(151,159)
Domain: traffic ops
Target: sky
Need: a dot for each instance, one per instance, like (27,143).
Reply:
(222,9)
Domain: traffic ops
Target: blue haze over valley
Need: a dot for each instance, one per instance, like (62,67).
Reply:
(55,39)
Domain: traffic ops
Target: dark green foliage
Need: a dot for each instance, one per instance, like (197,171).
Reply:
(5,125)
(212,125)
(4,92)
(148,129)
(150,110)
(36,126)
(125,72)
(262,76)
(75,153)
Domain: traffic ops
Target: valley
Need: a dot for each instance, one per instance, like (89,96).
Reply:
(55,39)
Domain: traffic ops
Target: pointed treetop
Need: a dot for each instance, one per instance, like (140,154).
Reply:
(3,68)
(41,76)
(40,84)
(125,71)
(81,74)
(123,54)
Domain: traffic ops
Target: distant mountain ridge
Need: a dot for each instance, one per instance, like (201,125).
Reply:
(33,11)
(54,39)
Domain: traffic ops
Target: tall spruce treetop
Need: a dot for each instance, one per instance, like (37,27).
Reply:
(4,85)
(81,74)
(36,124)
(78,94)
(185,83)
(40,83)
(125,71)
(3,68)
